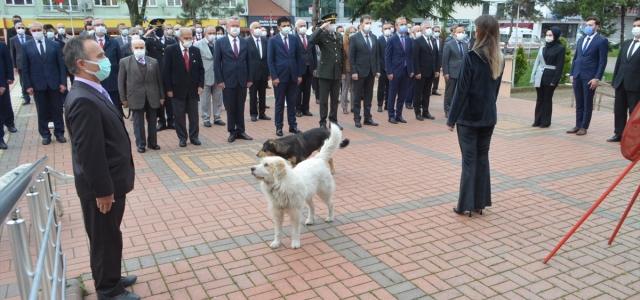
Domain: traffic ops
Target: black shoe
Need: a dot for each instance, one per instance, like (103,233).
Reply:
(61,139)
(535,125)
(128,281)
(244,136)
(401,120)
(46,141)
(264,117)
(295,130)
(324,126)
(298,114)
(307,113)
(379,108)
(196,142)
(171,126)
(370,123)
(436,93)
(3,145)
(124,296)
(428,116)
(615,138)
(409,106)
(161,127)
(207,124)
(267,106)
(154,147)
(455,209)
(25,102)
(182,143)
(358,124)
(254,119)
(393,120)
(420,117)
(268,87)
(545,126)
(232,138)
(141,150)
(12,129)
(385,107)
(219,122)
(279,132)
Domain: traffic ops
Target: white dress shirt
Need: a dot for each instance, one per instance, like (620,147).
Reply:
(633,47)
(259,44)
(182,51)
(231,38)
(585,47)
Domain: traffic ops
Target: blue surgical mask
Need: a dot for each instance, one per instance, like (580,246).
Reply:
(105,68)
(588,30)
(403,28)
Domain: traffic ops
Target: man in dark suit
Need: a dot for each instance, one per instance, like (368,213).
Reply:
(126,48)
(257,92)
(156,42)
(439,46)
(102,166)
(285,67)
(383,81)
(184,81)
(415,31)
(363,60)
(45,78)
(587,68)
(11,32)
(6,78)
(452,56)
(15,44)
(426,64)
(232,67)
(114,54)
(399,63)
(87,26)
(452,34)
(124,37)
(332,68)
(310,62)
(626,81)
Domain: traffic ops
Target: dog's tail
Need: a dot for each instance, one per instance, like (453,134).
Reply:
(331,144)
(344,143)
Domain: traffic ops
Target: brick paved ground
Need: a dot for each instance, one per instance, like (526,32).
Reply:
(197,226)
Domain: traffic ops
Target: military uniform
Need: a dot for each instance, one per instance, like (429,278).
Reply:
(331,68)
(155,49)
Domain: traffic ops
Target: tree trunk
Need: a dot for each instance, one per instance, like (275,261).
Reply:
(315,13)
(623,14)
(132,5)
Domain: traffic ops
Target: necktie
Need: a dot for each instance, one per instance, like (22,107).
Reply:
(304,42)
(101,44)
(402,39)
(22,39)
(104,93)
(186,59)
(633,45)
(584,47)
(286,46)
(366,38)
(235,48)
(141,61)
(460,47)
(42,54)
(258,47)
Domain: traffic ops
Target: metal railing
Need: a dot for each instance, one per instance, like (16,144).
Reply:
(49,277)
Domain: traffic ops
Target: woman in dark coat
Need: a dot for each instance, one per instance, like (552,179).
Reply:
(473,109)
(546,75)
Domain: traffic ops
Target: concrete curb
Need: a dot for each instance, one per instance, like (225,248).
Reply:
(74,290)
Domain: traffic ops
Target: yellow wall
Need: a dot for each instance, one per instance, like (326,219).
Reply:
(111,23)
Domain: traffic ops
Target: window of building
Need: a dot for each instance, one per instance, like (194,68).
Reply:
(106,2)
(19,2)
(304,7)
(150,3)
(174,3)
(68,5)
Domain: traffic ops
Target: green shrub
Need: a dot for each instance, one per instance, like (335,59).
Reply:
(567,61)
(521,64)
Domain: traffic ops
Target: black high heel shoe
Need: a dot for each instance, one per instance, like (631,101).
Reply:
(455,209)
(479,211)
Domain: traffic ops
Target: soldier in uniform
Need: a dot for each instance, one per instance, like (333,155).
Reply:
(155,43)
(331,68)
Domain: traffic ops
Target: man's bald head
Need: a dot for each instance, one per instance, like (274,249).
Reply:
(255,25)
(137,45)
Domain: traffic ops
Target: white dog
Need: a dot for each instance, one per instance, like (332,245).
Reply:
(288,189)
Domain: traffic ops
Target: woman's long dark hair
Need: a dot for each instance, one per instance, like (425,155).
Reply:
(488,43)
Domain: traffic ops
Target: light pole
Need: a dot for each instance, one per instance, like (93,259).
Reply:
(62,10)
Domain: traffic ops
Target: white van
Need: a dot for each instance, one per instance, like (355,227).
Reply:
(523,36)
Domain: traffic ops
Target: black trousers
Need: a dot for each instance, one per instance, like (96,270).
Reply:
(24,89)
(449,88)
(363,89)
(235,99)
(544,105)
(257,97)
(475,181)
(115,98)
(314,86)
(304,92)
(286,92)
(138,117)
(49,103)
(168,107)
(329,87)
(105,244)
(624,103)
(7,117)
(422,94)
(383,89)
(436,82)
(183,108)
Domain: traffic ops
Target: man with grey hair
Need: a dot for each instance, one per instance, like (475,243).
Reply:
(133,36)
(102,165)
(212,93)
(258,90)
(114,54)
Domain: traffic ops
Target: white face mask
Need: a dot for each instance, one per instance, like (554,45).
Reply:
(20,31)
(61,31)
(199,30)
(139,53)
(264,33)
(548,39)
(187,44)
(257,32)
(436,34)
(351,34)
(428,32)
(135,37)
(271,32)
(234,31)
(460,37)
(302,30)
(51,35)
(387,32)
(219,36)
(211,38)
(285,30)
(91,32)
(332,28)
(635,31)
(418,34)
(393,30)
(367,28)
(38,36)
(170,32)
(101,30)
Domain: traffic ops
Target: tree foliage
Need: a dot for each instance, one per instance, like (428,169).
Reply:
(391,9)
(136,14)
(523,9)
(567,60)
(521,64)
(199,10)
(609,12)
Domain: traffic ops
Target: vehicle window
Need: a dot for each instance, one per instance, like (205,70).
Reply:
(536,39)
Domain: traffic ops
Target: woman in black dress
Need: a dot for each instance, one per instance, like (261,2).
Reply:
(546,75)
(473,109)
